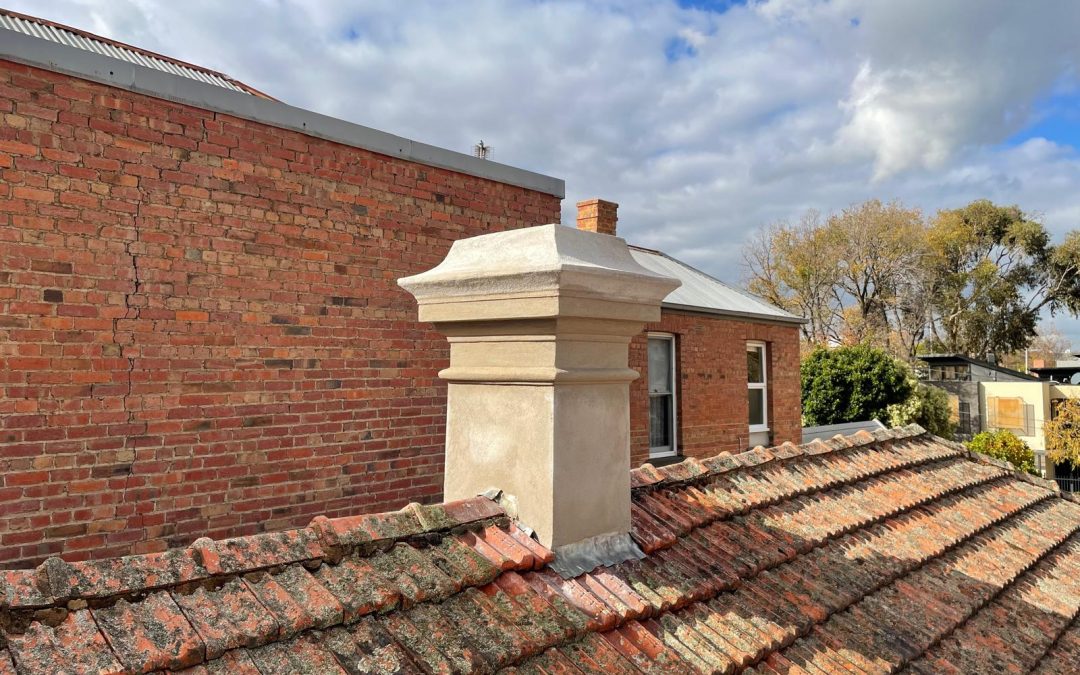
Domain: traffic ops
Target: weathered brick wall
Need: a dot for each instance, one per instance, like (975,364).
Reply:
(711,397)
(200,331)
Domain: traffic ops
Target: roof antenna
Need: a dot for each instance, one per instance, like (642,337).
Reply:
(482,151)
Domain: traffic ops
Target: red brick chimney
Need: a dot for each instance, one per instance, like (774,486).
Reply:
(597,215)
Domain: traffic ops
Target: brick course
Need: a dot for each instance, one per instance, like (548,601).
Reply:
(200,330)
(713,410)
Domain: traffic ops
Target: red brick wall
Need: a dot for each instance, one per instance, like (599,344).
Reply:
(200,331)
(711,395)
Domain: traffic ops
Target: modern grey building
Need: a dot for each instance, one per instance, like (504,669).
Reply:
(960,376)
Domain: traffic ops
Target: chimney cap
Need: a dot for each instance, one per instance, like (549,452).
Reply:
(514,272)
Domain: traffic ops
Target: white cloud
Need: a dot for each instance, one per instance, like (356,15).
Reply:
(778,107)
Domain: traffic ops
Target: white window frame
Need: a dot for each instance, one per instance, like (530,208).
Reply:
(763,385)
(665,451)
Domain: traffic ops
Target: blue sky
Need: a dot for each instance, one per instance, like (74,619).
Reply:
(704,120)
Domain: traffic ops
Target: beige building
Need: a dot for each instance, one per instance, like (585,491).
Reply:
(1023,408)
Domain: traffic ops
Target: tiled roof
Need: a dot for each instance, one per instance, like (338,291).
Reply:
(874,553)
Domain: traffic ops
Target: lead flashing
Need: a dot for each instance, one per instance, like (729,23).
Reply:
(143,80)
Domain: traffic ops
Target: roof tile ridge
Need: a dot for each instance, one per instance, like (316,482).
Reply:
(692,469)
(366,533)
(1037,481)
(669,534)
(56,583)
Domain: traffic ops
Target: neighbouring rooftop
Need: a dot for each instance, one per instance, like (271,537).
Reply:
(51,46)
(885,552)
(96,44)
(946,360)
(703,293)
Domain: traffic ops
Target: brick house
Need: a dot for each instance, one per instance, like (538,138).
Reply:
(876,553)
(733,359)
(200,330)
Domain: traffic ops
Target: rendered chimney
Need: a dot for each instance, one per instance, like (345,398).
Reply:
(597,215)
(539,322)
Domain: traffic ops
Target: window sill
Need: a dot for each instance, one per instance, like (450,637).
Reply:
(665,460)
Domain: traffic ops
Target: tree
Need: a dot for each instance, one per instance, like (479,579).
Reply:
(849,276)
(974,281)
(1047,346)
(928,407)
(851,384)
(792,267)
(991,270)
(1063,434)
(876,248)
(1005,445)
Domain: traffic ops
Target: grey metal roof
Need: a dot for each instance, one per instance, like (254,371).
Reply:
(702,293)
(827,431)
(73,37)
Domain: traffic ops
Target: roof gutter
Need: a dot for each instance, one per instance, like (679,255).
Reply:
(143,80)
(734,314)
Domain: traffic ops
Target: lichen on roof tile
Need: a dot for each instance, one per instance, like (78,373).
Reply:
(150,634)
(874,552)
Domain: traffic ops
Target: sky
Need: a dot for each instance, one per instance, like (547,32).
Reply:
(703,120)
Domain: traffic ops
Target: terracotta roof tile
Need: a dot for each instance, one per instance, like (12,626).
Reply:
(359,588)
(295,600)
(863,554)
(227,617)
(237,662)
(150,634)
(73,644)
(302,654)
(366,647)
(23,589)
(119,576)
(244,554)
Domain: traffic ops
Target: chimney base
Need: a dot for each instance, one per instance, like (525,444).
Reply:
(603,550)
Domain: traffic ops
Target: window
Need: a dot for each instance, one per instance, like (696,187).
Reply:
(756,377)
(964,418)
(1012,414)
(662,420)
(957,373)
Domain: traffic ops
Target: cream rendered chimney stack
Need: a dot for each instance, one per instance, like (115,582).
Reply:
(597,215)
(539,321)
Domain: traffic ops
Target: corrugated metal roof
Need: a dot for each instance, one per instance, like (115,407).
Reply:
(73,37)
(702,293)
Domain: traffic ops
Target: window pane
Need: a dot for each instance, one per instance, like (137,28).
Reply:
(754,371)
(660,365)
(660,422)
(757,406)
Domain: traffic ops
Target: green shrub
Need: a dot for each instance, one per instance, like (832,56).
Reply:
(928,407)
(1005,445)
(852,384)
